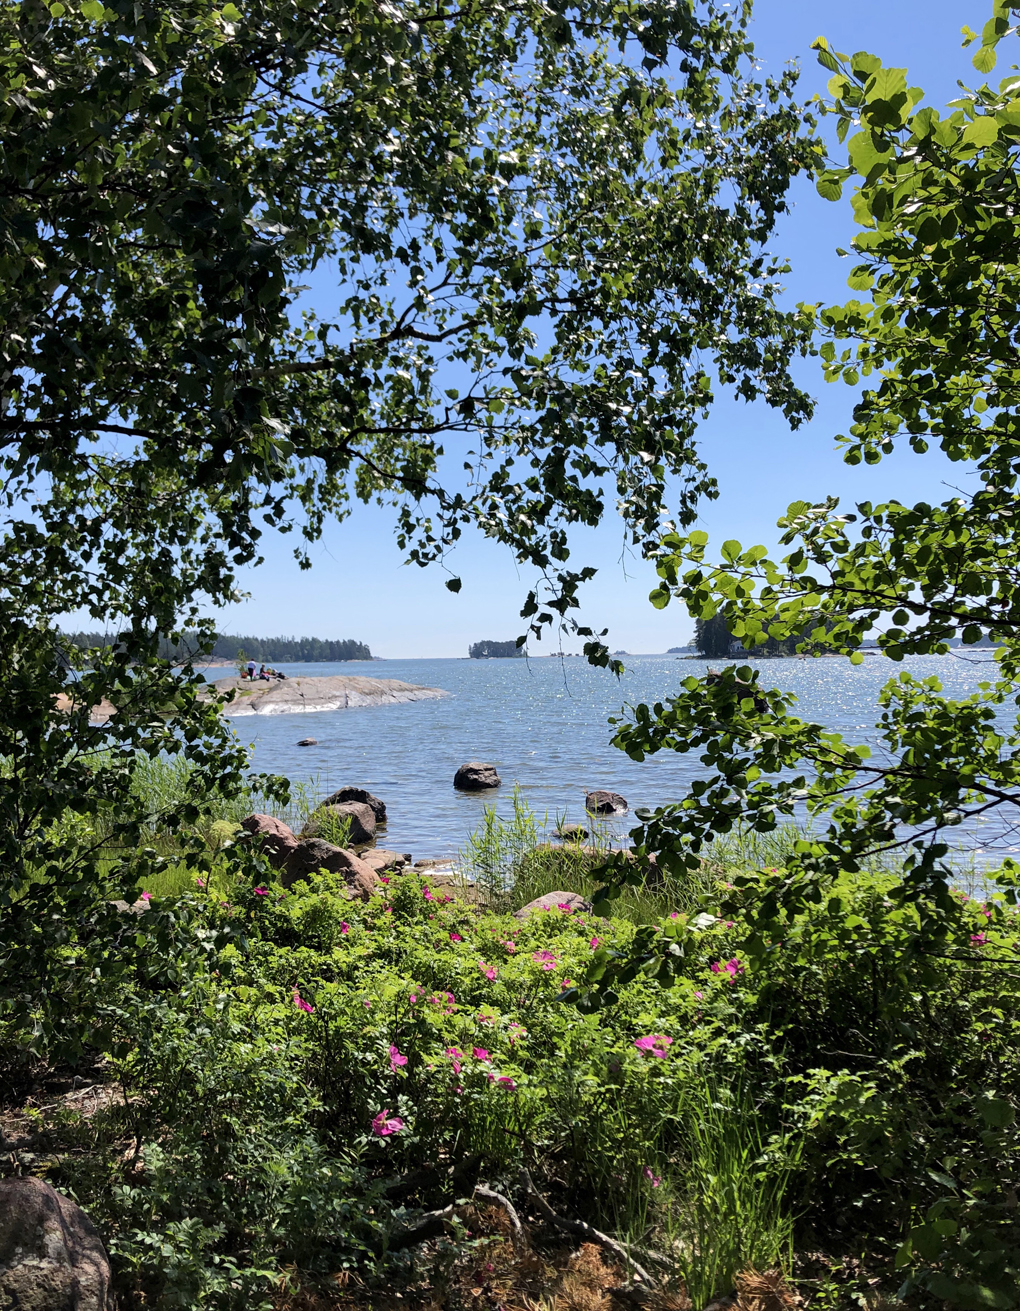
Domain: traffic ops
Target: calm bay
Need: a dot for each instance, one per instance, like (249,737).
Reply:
(543,723)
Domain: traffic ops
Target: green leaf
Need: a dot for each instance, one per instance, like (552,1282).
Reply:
(864,65)
(453,584)
(981,132)
(730,551)
(985,59)
(995,1112)
(886,83)
(829,186)
(93,10)
(868,153)
(861,278)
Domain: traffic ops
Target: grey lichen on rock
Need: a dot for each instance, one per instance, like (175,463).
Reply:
(304,695)
(51,1258)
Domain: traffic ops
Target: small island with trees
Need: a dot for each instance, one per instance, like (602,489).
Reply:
(496,651)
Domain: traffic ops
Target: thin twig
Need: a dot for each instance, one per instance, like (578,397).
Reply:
(585,1230)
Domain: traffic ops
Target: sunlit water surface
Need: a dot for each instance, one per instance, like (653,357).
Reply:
(543,723)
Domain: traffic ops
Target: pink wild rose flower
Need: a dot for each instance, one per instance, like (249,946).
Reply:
(488,970)
(385,1125)
(655,1044)
(396,1060)
(301,1004)
(480,1054)
(651,1176)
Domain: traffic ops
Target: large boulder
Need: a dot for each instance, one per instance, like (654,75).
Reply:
(565,902)
(273,835)
(362,821)
(605,803)
(359,794)
(51,1258)
(312,855)
(476,777)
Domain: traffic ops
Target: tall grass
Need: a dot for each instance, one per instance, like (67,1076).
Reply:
(731,1214)
(496,849)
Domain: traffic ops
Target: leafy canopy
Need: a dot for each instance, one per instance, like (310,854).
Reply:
(935,341)
(544,229)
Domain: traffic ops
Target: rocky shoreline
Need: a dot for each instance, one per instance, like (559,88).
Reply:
(303,695)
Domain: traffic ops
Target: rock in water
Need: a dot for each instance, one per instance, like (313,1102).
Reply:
(277,839)
(385,862)
(51,1258)
(605,803)
(361,817)
(309,742)
(565,902)
(476,777)
(359,794)
(313,854)
(572,832)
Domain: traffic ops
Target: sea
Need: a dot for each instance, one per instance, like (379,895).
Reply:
(543,722)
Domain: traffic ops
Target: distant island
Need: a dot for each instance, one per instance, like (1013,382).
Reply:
(496,651)
(291,650)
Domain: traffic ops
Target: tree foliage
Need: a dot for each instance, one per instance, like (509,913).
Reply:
(938,254)
(712,637)
(494,650)
(544,252)
(933,337)
(227,647)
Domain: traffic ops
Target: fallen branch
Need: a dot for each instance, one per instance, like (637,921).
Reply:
(431,1225)
(516,1228)
(585,1230)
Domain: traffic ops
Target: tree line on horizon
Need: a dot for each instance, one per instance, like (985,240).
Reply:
(293,650)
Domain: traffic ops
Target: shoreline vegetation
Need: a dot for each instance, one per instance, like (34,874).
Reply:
(313,1081)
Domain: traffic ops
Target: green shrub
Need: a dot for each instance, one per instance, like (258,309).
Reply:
(838,1086)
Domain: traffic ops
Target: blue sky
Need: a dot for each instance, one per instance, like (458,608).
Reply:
(358,586)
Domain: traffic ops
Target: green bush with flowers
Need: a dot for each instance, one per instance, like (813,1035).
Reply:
(301,1077)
